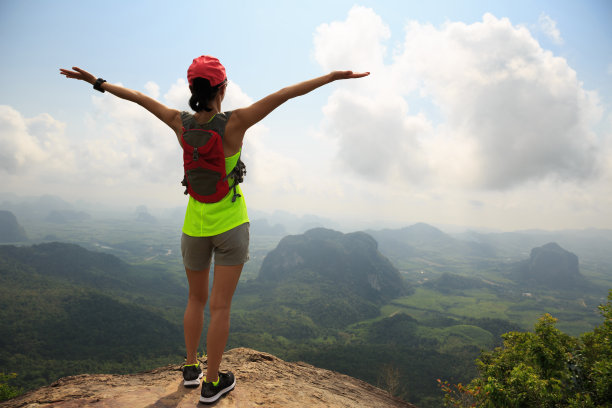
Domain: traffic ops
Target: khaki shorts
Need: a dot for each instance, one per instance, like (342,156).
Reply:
(230,248)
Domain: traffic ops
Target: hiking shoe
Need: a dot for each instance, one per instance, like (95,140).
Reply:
(211,392)
(191,375)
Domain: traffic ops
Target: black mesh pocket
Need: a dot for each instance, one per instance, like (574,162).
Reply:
(203,181)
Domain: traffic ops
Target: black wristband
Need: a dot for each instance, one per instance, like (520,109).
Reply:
(98,84)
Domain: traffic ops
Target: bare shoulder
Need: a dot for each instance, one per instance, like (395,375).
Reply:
(174,119)
(175,123)
(234,132)
(236,122)
(236,117)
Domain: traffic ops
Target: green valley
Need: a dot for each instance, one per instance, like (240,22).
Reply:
(397,308)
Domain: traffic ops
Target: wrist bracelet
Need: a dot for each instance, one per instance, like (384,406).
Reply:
(98,85)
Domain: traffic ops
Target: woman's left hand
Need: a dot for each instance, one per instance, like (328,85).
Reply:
(79,74)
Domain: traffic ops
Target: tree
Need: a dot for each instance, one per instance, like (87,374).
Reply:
(544,368)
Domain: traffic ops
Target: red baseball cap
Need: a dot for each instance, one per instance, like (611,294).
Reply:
(206,67)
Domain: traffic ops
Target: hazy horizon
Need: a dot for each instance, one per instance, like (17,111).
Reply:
(293,222)
(478,114)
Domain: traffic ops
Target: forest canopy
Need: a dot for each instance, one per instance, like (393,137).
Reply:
(544,368)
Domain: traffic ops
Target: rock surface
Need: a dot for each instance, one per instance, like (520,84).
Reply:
(263,380)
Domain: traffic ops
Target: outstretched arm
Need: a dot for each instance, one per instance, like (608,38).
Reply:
(260,109)
(170,117)
(243,119)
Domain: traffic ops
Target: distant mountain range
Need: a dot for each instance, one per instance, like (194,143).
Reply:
(469,248)
(592,245)
(421,237)
(33,207)
(424,247)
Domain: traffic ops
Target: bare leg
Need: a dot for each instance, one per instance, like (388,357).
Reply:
(224,285)
(193,320)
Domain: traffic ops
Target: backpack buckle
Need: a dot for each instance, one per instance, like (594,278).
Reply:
(196,155)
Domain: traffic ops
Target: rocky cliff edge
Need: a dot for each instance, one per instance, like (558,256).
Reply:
(263,380)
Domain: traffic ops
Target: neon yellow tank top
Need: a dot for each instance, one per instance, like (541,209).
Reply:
(208,219)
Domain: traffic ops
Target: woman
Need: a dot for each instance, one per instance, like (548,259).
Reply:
(220,228)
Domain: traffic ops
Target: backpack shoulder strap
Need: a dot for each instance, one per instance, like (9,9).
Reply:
(216,124)
(187,119)
(220,121)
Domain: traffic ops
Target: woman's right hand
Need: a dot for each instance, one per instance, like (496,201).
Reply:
(336,75)
(79,74)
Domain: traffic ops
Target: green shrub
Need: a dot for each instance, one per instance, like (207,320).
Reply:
(546,368)
(7,391)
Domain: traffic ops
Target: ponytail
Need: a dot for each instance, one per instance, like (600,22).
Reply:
(202,94)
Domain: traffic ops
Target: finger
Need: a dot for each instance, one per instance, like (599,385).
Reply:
(68,73)
(359,74)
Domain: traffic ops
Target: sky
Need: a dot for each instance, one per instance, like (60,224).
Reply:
(486,114)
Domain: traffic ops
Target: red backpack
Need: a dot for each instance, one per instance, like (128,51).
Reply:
(204,162)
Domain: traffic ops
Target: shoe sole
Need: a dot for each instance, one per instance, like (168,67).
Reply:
(218,395)
(193,383)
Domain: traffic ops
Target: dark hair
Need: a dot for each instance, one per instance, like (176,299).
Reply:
(202,94)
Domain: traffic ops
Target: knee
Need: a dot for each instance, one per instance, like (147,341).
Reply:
(219,308)
(198,298)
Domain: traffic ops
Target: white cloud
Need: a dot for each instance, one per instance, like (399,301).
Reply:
(549,27)
(235,98)
(28,143)
(511,111)
(152,89)
(384,142)
(354,43)
(130,144)
(268,170)
(178,95)
(522,108)
(120,146)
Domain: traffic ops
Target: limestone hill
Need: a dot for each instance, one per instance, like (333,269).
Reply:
(550,266)
(323,277)
(10,230)
(324,255)
(263,380)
